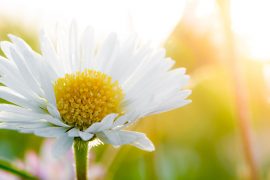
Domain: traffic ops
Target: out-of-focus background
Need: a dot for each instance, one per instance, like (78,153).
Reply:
(199,141)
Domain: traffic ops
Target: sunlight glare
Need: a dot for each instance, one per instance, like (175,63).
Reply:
(151,20)
(250,21)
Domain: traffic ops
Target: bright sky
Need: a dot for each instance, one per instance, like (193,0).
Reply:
(151,19)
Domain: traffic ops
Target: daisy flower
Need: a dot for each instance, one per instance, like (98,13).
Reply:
(80,90)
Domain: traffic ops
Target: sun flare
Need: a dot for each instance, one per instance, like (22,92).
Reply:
(250,21)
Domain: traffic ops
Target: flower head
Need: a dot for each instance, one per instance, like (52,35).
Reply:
(87,97)
(78,87)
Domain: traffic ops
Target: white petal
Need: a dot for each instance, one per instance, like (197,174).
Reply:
(85,135)
(56,121)
(144,143)
(74,132)
(62,47)
(46,81)
(105,124)
(107,53)
(13,97)
(73,48)
(53,111)
(23,126)
(173,102)
(31,58)
(49,54)
(17,109)
(157,93)
(125,119)
(147,69)
(88,47)
(15,117)
(168,107)
(33,126)
(50,131)
(28,131)
(118,138)
(11,78)
(62,145)
(126,60)
(24,69)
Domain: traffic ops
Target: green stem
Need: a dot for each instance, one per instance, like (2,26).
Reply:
(81,158)
(7,166)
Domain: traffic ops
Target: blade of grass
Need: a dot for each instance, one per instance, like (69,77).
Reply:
(240,93)
(7,166)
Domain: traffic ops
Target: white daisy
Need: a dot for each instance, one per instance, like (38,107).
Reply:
(79,88)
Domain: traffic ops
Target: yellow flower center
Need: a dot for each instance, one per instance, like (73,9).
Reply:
(86,97)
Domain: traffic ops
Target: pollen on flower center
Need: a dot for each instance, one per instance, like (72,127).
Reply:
(86,97)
